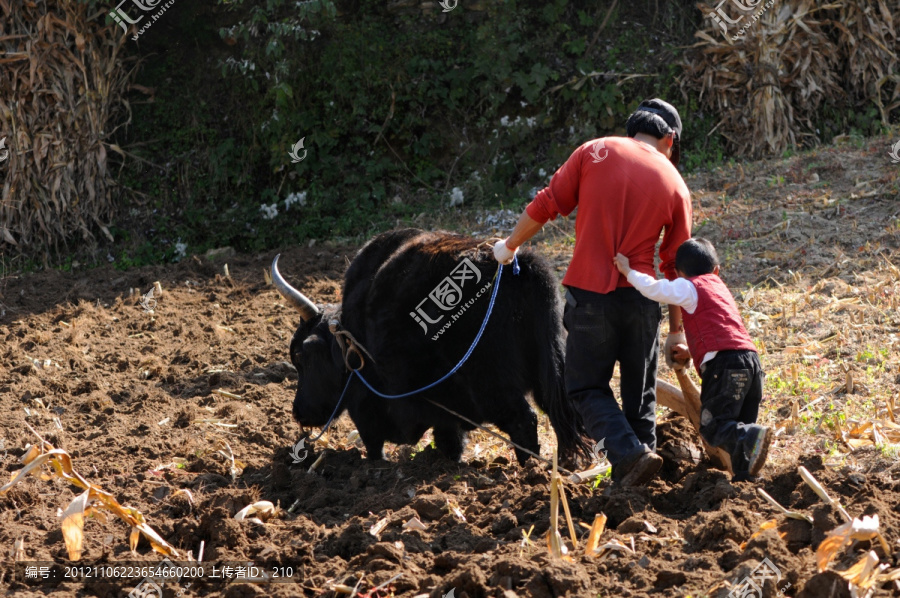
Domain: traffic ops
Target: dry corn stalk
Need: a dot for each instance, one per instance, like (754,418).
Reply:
(867,37)
(554,541)
(823,494)
(858,529)
(62,82)
(767,87)
(781,509)
(864,572)
(263,508)
(871,433)
(765,525)
(92,501)
(594,537)
(565,504)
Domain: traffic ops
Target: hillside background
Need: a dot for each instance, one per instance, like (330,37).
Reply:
(155,146)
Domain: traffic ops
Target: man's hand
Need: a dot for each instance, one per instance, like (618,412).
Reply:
(676,352)
(682,356)
(622,264)
(504,254)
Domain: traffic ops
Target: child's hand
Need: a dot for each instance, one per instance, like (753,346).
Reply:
(622,264)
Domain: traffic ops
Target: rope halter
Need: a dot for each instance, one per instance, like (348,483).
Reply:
(348,344)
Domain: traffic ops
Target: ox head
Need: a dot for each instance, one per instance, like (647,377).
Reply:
(316,355)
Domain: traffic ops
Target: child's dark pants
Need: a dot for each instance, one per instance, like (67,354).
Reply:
(730,398)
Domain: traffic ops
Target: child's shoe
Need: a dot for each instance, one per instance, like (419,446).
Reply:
(750,455)
(758,445)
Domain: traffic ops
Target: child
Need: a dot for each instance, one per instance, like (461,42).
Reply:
(728,364)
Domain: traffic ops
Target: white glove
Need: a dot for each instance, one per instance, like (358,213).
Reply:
(674,338)
(504,254)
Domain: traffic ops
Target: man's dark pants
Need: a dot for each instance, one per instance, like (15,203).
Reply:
(619,326)
(729,397)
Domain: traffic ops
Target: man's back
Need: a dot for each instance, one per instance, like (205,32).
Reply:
(626,193)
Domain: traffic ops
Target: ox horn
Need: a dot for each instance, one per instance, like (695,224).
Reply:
(298,300)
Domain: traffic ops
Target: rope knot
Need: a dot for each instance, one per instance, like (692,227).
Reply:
(348,344)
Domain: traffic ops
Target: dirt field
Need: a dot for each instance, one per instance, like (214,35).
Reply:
(809,246)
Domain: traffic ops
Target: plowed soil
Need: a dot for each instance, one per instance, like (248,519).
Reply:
(150,403)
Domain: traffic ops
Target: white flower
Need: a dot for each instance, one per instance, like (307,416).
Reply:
(295,198)
(531,121)
(504,122)
(456,197)
(269,212)
(180,249)
(542,173)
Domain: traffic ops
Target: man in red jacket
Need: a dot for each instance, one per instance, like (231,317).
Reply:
(627,191)
(723,352)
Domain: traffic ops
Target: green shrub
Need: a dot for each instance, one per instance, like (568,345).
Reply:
(397,113)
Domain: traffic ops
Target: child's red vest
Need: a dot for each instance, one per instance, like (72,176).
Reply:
(716,324)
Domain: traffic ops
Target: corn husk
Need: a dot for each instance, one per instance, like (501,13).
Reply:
(863,529)
(91,501)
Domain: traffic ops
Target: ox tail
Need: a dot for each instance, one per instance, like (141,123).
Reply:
(571,435)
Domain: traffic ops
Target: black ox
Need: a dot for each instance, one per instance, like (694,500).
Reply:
(413,302)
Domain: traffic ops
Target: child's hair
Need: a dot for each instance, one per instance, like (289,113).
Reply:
(696,256)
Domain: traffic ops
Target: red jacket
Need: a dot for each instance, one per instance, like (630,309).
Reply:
(716,324)
(627,193)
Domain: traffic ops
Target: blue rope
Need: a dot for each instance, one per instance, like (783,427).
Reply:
(465,357)
(335,412)
(487,316)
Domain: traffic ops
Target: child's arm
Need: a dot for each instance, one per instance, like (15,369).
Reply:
(680,292)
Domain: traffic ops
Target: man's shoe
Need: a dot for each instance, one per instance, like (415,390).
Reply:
(642,471)
(758,446)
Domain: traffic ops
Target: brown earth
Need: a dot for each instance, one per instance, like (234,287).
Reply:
(136,398)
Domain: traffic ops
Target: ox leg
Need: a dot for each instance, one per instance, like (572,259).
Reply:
(374,448)
(519,422)
(373,439)
(450,440)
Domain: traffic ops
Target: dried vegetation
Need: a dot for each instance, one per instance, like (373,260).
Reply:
(62,79)
(768,86)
